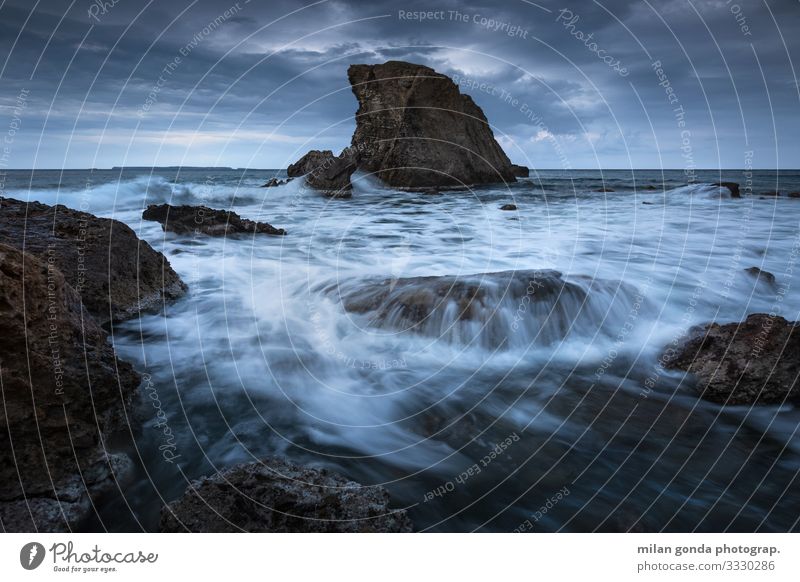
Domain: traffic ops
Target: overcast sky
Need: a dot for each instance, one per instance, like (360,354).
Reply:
(87,83)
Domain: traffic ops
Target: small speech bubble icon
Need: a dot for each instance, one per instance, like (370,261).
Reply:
(31,555)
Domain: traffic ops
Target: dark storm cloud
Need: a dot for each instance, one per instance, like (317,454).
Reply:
(257,83)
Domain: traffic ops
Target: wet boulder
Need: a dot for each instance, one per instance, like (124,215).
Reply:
(64,393)
(204,220)
(278,496)
(756,361)
(116,274)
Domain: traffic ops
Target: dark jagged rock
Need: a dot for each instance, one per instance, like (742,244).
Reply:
(761,275)
(202,219)
(520,171)
(273,183)
(793,194)
(650,187)
(414,130)
(508,207)
(309,162)
(604,190)
(756,361)
(733,187)
(63,391)
(326,172)
(116,274)
(278,496)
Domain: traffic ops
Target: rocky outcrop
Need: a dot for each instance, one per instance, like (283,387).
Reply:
(116,274)
(520,171)
(63,392)
(508,207)
(761,275)
(326,172)
(414,130)
(756,361)
(278,496)
(205,220)
(733,187)
(274,183)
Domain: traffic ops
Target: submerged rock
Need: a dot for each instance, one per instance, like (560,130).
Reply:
(761,275)
(116,274)
(273,183)
(64,391)
(205,220)
(793,194)
(508,207)
(509,308)
(771,193)
(733,187)
(603,190)
(756,361)
(414,130)
(278,496)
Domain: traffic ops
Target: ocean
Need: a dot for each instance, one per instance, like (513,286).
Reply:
(536,416)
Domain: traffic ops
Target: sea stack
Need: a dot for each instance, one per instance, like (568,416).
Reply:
(416,131)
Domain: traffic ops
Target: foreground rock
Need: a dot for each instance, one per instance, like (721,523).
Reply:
(116,274)
(63,391)
(414,130)
(278,496)
(205,220)
(756,361)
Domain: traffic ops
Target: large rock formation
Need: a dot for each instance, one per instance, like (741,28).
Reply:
(414,130)
(63,391)
(202,219)
(756,361)
(278,496)
(116,274)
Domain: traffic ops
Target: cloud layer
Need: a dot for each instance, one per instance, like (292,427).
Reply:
(607,84)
